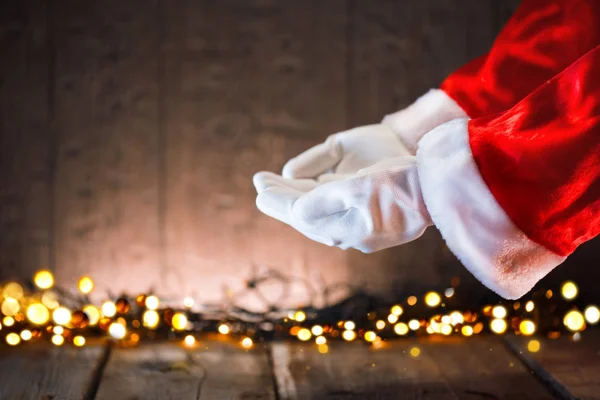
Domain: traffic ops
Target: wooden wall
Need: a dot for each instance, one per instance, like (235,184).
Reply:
(130,130)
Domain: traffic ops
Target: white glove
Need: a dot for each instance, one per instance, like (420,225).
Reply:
(376,208)
(344,154)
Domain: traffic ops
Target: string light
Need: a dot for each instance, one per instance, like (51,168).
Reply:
(432,299)
(79,341)
(10,306)
(150,319)
(569,290)
(50,300)
(534,346)
(380,324)
(152,302)
(449,292)
(117,330)
(446,329)
(592,315)
(456,318)
(179,321)
(499,312)
(58,330)
(574,321)
(498,326)
(189,341)
(223,329)
(85,285)
(392,318)
(109,309)
(304,334)
(414,324)
(412,300)
(401,329)
(92,313)
(43,279)
(299,316)
(8,321)
(13,339)
(349,325)
(529,306)
(397,310)
(26,335)
(320,340)
(527,327)
(247,343)
(317,330)
(349,336)
(323,348)
(14,290)
(415,352)
(57,340)
(61,316)
(370,336)
(467,330)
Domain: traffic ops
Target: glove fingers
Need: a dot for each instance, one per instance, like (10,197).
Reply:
(314,161)
(264,180)
(324,201)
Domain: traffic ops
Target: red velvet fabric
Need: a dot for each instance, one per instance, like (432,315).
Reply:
(541,39)
(541,158)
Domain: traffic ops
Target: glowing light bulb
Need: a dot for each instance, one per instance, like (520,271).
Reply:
(189,302)
(8,321)
(467,330)
(380,324)
(349,325)
(320,340)
(58,330)
(299,316)
(529,306)
(396,310)
(61,316)
(79,341)
(13,339)
(85,285)
(14,290)
(317,330)
(592,314)
(370,336)
(574,321)
(349,336)
(10,306)
(247,343)
(57,340)
(432,299)
(401,329)
(414,324)
(224,329)
(498,326)
(412,300)
(569,290)
(304,334)
(109,309)
(456,318)
(499,312)
(150,319)
(43,279)
(527,327)
(189,340)
(446,330)
(117,330)
(26,335)
(92,313)
(179,321)
(534,346)
(152,302)
(392,318)
(415,351)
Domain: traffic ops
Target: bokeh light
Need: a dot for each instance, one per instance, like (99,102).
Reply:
(433,299)
(569,290)
(43,279)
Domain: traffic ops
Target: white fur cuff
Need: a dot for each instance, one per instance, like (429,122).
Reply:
(473,224)
(430,110)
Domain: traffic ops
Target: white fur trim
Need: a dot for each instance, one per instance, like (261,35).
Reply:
(474,225)
(430,110)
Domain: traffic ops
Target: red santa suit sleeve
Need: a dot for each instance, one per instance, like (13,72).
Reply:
(542,38)
(515,193)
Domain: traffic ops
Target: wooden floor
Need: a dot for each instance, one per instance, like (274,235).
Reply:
(442,368)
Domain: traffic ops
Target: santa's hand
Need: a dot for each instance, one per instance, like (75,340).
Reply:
(344,154)
(376,208)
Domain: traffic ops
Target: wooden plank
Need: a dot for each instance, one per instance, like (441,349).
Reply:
(107,184)
(248,85)
(214,370)
(452,369)
(41,371)
(398,51)
(26,146)
(570,369)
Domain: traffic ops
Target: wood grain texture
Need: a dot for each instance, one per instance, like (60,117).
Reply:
(26,145)
(214,370)
(248,85)
(570,369)
(458,369)
(106,206)
(40,371)
(400,50)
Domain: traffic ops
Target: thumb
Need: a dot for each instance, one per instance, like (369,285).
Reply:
(314,161)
